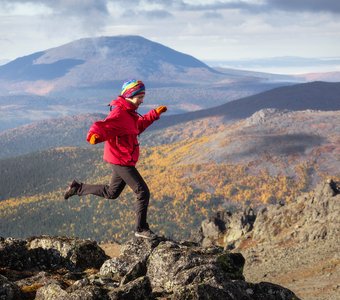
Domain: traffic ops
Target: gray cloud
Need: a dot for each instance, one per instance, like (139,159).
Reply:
(88,8)
(72,7)
(148,14)
(157,14)
(332,6)
(212,15)
(90,15)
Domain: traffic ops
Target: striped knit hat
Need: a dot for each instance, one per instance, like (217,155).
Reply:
(132,87)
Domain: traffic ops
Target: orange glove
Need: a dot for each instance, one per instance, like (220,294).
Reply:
(93,139)
(161,109)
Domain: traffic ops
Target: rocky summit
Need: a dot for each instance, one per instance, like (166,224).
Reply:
(310,217)
(292,244)
(65,268)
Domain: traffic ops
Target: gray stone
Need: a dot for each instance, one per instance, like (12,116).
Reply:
(51,292)
(145,269)
(139,289)
(77,253)
(55,292)
(312,217)
(131,263)
(13,254)
(9,290)
(172,265)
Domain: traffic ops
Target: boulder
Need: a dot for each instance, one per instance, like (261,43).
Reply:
(55,292)
(31,284)
(131,263)
(9,290)
(138,289)
(234,290)
(145,269)
(45,252)
(14,254)
(51,291)
(76,253)
(225,228)
(172,265)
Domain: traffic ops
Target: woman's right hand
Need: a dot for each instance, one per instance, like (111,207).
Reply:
(93,138)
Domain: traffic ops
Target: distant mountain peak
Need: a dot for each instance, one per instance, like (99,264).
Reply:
(88,61)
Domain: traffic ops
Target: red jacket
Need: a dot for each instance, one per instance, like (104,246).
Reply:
(120,130)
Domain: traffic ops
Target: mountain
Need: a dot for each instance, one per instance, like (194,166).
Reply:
(108,60)
(71,131)
(299,78)
(311,95)
(104,60)
(280,142)
(325,76)
(45,171)
(193,169)
(60,132)
(86,74)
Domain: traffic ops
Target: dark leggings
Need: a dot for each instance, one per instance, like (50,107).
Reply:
(122,175)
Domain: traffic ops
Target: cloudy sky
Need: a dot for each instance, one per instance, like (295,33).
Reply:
(210,30)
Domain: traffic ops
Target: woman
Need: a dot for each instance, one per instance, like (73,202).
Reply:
(119,131)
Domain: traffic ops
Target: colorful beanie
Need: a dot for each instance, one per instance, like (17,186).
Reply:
(132,87)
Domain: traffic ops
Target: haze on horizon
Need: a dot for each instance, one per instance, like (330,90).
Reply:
(213,31)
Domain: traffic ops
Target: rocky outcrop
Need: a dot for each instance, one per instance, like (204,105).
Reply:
(227,228)
(44,252)
(312,216)
(63,268)
(264,115)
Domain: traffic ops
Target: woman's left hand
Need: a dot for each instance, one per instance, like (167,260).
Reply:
(161,109)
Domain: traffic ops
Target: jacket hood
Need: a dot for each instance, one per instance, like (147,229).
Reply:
(123,104)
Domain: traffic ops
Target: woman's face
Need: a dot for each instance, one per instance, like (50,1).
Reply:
(136,100)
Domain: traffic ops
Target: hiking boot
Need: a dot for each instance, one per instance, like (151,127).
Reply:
(72,189)
(146,234)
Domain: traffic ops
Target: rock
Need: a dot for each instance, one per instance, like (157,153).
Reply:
(211,232)
(206,291)
(311,217)
(9,290)
(115,267)
(234,290)
(51,291)
(55,292)
(225,228)
(76,253)
(139,289)
(31,284)
(267,291)
(43,253)
(131,263)
(171,265)
(14,254)
(145,269)
(264,115)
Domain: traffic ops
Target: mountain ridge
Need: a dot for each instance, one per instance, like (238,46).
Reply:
(316,95)
(83,75)
(84,72)
(72,130)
